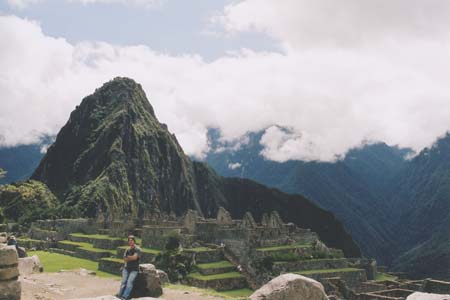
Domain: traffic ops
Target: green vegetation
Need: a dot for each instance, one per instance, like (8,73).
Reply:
(88,247)
(27,201)
(384,276)
(198,249)
(54,262)
(215,276)
(97,236)
(176,263)
(215,265)
(280,248)
(327,271)
(113,259)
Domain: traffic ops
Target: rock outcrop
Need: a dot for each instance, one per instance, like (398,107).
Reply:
(147,283)
(30,265)
(10,288)
(426,296)
(290,287)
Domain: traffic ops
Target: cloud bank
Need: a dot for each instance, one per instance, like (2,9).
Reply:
(349,72)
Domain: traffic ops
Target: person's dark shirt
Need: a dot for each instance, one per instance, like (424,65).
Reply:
(133,265)
(12,242)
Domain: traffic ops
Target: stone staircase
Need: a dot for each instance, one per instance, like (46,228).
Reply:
(214,271)
(304,260)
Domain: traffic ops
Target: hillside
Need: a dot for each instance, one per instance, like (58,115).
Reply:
(114,156)
(349,188)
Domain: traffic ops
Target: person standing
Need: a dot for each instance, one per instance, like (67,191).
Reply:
(131,268)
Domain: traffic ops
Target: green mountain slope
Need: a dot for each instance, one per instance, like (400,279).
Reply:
(349,188)
(113,156)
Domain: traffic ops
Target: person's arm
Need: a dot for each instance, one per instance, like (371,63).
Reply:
(131,258)
(135,256)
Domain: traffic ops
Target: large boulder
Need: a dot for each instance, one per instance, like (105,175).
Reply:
(10,288)
(290,287)
(147,283)
(30,265)
(426,296)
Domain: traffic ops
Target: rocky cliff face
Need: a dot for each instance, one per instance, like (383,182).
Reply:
(114,156)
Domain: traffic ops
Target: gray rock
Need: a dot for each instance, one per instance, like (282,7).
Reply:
(290,287)
(10,290)
(426,296)
(147,283)
(163,277)
(30,265)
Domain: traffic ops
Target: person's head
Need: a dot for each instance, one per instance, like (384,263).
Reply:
(131,241)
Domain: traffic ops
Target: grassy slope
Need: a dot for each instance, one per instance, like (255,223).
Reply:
(54,262)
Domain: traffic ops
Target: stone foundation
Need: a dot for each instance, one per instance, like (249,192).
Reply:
(10,288)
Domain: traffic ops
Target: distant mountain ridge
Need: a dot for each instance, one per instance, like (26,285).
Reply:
(341,187)
(397,210)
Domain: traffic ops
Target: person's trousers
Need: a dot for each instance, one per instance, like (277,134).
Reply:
(127,283)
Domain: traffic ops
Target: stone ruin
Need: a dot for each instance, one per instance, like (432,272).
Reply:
(242,243)
(10,288)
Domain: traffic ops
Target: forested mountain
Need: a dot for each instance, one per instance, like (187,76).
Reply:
(349,187)
(113,156)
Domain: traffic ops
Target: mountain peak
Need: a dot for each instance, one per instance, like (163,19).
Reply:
(123,92)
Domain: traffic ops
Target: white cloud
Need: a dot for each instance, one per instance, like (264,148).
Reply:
(331,95)
(234,166)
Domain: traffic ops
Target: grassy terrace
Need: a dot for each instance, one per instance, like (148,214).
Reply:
(216,276)
(281,262)
(113,259)
(199,249)
(286,247)
(88,247)
(215,265)
(54,262)
(97,237)
(144,250)
(384,276)
(323,271)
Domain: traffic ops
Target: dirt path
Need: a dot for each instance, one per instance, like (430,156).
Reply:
(70,285)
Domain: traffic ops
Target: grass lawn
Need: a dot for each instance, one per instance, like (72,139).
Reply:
(97,236)
(215,276)
(88,247)
(198,249)
(384,276)
(54,262)
(216,265)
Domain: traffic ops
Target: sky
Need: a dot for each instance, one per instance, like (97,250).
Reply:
(319,77)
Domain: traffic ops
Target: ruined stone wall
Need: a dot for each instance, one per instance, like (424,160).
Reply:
(156,236)
(10,288)
(59,229)
(369,265)
(436,286)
